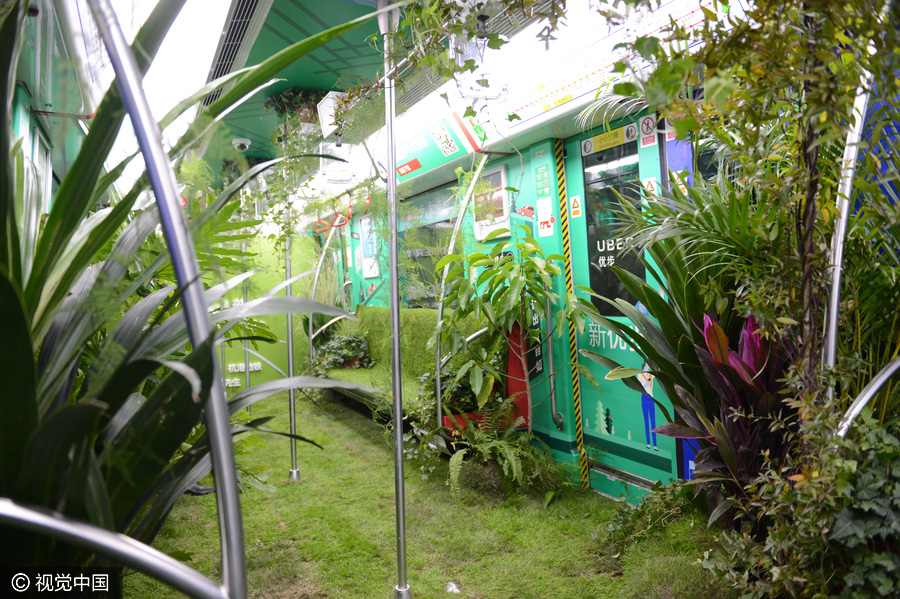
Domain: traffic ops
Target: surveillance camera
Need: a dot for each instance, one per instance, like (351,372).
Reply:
(241,144)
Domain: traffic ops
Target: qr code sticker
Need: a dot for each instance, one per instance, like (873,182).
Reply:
(442,137)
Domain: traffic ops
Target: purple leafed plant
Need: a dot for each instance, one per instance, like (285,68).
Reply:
(750,421)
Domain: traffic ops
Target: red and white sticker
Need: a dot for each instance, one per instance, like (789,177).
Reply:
(670,130)
(545,217)
(647,126)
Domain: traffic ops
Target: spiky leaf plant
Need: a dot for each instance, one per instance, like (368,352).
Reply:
(75,296)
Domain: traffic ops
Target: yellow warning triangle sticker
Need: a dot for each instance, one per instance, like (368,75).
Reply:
(575,206)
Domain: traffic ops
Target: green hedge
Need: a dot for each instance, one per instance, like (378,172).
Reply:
(416,358)
(416,328)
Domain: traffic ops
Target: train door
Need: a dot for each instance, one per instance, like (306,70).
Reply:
(604,170)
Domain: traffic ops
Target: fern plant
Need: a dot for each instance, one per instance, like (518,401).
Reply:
(491,439)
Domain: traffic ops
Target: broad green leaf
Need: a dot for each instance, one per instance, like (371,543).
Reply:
(685,126)
(726,449)
(495,234)
(28,205)
(486,389)
(718,90)
(17,370)
(621,373)
(144,446)
(476,379)
(646,46)
(719,511)
(47,453)
(445,261)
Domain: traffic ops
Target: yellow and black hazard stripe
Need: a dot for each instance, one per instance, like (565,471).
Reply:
(570,287)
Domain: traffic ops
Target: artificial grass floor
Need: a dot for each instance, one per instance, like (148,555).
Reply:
(332,534)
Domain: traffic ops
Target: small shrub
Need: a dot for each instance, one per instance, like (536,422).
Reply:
(492,442)
(343,351)
(832,522)
(665,505)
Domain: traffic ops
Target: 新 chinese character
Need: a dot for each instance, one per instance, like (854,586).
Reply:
(595,338)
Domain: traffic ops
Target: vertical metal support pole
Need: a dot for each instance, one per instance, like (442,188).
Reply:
(187,273)
(295,473)
(222,348)
(246,342)
(845,191)
(551,364)
(343,266)
(387,23)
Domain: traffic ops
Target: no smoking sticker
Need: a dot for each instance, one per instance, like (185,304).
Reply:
(648,131)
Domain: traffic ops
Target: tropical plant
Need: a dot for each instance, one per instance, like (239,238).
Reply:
(507,288)
(108,450)
(457,394)
(831,517)
(295,100)
(739,74)
(727,399)
(499,457)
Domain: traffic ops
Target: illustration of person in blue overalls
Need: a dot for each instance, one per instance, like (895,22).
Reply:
(648,406)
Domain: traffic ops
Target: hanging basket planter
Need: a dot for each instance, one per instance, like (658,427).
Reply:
(298,102)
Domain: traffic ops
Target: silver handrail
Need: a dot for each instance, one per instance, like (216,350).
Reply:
(315,286)
(327,324)
(866,395)
(118,547)
(469,339)
(845,191)
(184,263)
(440,306)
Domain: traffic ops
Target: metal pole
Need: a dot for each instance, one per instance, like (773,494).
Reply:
(438,361)
(224,367)
(845,191)
(557,417)
(295,473)
(387,24)
(311,332)
(184,263)
(866,395)
(246,342)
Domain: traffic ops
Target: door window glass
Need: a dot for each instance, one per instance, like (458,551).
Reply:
(610,176)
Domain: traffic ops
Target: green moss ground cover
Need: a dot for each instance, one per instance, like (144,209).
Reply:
(332,534)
